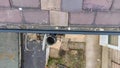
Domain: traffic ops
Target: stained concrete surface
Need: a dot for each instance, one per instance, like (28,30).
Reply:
(8,50)
(33,56)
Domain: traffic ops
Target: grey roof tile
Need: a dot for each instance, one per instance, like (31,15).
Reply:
(108,18)
(4,3)
(26,3)
(82,18)
(36,16)
(97,4)
(10,16)
(71,5)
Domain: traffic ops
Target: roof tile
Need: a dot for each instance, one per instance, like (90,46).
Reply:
(26,3)
(61,12)
(71,5)
(4,3)
(58,18)
(82,18)
(97,4)
(36,16)
(50,4)
(10,16)
(108,18)
(116,4)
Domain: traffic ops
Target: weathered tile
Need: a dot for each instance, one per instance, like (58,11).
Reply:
(97,4)
(71,5)
(26,3)
(81,18)
(10,16)
(36,16)
(108,18)
(58,18)
(50,4)
(4,3)
(116,4)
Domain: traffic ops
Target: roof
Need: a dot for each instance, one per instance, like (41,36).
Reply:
(60,12)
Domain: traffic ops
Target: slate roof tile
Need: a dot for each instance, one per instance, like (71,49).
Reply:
(108,18)
(97,4)
(82,18)
(71,5)
(50,4)
(36,16)
(4,3)
(26,3)
(58,18)
(10,16)
(116,4)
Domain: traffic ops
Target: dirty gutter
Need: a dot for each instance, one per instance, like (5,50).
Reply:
(47,31)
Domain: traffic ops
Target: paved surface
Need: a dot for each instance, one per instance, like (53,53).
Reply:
(33,56)
(8,50)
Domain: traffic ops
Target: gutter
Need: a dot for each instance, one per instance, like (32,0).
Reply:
(51,31)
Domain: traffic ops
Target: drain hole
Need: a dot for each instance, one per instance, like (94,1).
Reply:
(51,40)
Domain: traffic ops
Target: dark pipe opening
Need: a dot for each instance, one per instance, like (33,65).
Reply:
(51,40)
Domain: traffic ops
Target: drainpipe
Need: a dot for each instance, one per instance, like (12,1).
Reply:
(93,52)
(51,39)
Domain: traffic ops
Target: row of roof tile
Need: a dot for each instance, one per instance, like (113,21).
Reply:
(57,18)
(61,12)
(64,5)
